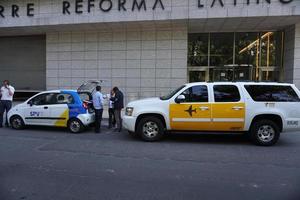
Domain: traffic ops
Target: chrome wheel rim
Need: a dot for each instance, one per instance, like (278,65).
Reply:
(75,126)
(150,129)
(16,123)
(266,133)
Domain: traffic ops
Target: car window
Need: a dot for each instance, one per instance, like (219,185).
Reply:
(64,99)
(44,99)
(273,93)
(197,93)
(85,96)
(226,93)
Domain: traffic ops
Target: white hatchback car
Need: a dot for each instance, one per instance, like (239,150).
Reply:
(59,108)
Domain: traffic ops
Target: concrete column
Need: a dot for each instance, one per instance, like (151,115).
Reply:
(292,55)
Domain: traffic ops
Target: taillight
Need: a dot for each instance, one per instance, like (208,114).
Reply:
(85,105)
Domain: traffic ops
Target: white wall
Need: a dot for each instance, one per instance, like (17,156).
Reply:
(49,12)
(143,62)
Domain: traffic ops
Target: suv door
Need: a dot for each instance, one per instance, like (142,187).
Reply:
(228,108)
(194,113)
(37,111)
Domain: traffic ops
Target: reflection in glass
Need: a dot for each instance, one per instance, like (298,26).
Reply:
(235,56)
(221,49)
(198,49)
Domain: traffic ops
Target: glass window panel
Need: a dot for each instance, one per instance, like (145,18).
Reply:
(272,93)
(196,94)
(226,93)
(247,49)
(198,49)
(221,49)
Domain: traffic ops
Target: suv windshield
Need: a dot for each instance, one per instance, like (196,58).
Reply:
(171,94)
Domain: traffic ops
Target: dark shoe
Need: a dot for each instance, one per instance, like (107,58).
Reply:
(6,125)
(120,130)
(1,126)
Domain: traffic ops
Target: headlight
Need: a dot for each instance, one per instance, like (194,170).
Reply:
(129,111)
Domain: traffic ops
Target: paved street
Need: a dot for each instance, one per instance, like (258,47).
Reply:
(39,164)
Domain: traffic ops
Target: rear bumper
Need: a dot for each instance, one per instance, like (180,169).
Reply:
(87,119)
(129,123)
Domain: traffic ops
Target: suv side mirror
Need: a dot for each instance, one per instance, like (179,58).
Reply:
(180,99)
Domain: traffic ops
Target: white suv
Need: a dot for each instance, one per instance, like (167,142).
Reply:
(263,110)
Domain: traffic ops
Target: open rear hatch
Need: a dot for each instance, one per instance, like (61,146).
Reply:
(86,90)
(89,86)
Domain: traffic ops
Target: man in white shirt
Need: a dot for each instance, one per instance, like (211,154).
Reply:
(7,92)
(98,106)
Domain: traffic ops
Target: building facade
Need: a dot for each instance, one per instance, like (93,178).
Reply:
(148,47)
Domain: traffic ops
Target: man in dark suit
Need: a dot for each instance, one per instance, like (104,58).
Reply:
(118,100)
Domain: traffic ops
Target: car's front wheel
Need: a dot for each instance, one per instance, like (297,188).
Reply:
(150,129)
(265,132)
(17,122)
(75,126)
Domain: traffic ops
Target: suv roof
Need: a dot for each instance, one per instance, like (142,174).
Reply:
(239,83)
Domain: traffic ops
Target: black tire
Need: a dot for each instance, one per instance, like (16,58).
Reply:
(75,126)
(154,131)
(264,132)
(16,122)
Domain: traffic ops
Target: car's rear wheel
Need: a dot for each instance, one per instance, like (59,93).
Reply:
(265,132)
(17,122)
(150,129)
(75,126)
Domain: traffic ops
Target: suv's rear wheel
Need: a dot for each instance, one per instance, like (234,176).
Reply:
(150,129)
(264,132)
(75,126)
(17,122)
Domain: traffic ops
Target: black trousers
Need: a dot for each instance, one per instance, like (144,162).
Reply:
(98,119)
(118,118)
(5,106)
(111,118)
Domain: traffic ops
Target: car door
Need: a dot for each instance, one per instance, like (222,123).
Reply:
(194,112)
(228,108)
(37,110)
(59,110)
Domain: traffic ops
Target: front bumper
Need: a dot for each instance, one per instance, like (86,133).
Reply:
(129,123)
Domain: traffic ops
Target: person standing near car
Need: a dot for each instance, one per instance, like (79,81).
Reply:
(98,106)
(111,114)
(7,93)
(118,100)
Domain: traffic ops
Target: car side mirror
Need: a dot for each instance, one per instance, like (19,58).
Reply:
(180,99)
(30,103)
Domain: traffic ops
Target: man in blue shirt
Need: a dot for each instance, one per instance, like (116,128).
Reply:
(98,106)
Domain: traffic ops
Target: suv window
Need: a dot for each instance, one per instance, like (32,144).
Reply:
(226,93)
(196,94)
(272,93)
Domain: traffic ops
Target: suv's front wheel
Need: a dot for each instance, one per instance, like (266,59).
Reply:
(264,132)
(150,129)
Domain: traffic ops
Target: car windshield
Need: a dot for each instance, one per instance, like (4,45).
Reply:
(171,94)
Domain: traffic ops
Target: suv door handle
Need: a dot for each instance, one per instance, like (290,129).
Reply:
(237,108)
(46,107)
(204,108)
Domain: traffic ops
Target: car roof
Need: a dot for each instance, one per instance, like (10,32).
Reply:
(57,91)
